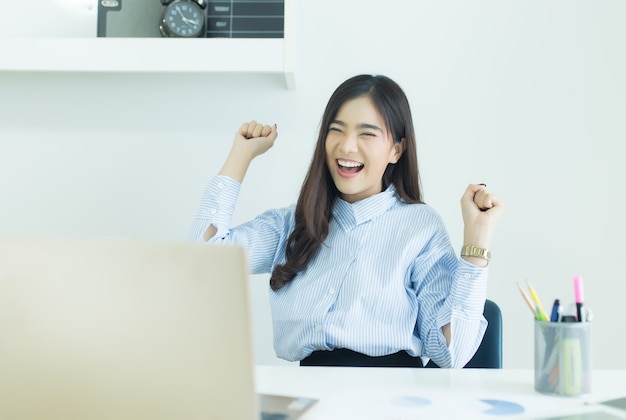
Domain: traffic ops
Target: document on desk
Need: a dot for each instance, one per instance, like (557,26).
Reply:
(619,403)
(615,405)
(594,415)
(282,407)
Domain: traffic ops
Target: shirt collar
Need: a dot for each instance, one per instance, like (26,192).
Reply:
(350,215)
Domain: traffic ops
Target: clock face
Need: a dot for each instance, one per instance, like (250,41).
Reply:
(184,19)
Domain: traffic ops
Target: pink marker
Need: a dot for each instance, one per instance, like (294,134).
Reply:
(579,297)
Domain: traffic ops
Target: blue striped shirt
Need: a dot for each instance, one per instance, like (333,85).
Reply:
(386,279)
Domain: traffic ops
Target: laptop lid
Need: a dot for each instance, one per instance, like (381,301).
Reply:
(124,329)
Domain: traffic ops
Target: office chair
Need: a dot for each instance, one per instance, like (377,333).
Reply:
(489,353)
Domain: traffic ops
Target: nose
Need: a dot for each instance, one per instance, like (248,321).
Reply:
(348,143)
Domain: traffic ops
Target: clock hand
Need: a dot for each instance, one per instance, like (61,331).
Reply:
(181,13)
(186,20)
(189,21)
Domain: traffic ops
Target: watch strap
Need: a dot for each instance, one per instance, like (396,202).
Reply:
(475,251)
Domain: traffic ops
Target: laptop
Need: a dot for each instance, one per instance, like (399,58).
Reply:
(124,329)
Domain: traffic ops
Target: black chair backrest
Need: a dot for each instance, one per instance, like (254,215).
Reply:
(489,353)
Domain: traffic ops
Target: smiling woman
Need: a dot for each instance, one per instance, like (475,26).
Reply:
(358,132)
(362,271)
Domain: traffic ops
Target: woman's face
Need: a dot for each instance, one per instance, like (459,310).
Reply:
(358,149)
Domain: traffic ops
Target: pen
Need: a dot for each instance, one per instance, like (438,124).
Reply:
(533,294)
(556,311)
(529,302)
(578,294)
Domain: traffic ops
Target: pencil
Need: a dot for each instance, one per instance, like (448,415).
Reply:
(529,302)
(533,294)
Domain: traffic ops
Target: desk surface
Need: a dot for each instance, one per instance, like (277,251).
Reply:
(404,393)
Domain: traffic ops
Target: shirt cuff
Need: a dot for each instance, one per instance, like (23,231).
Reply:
(467,296)
(218,203)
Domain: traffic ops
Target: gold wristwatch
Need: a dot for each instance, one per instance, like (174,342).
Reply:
(475,251)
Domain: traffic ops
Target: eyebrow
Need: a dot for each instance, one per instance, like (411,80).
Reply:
(361,126)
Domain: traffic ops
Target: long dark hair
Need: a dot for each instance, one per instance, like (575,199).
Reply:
(318,193)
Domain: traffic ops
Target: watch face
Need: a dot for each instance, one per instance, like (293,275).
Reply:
(183,18)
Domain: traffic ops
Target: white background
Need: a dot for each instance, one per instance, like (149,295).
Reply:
(528,97)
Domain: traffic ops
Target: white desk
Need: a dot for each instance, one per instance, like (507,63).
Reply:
(402,394)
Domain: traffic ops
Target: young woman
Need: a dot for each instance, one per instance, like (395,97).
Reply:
(362,271)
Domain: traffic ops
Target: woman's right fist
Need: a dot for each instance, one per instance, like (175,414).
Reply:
(256,138)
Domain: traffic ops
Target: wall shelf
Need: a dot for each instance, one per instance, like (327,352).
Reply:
(209,55)
(148,55)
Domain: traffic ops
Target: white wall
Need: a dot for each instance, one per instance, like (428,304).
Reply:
(528,97)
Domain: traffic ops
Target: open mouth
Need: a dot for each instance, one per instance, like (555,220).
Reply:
(348,166)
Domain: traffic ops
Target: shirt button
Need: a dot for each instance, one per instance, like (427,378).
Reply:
(213,211)
(351,255)
(220,185)
(332,291)
(318,328)
(467,275)
(458,307)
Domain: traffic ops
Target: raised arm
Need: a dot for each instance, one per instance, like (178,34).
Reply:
(481,211)
(251,140)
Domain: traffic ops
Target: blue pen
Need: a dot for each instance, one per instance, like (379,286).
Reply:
(556,311)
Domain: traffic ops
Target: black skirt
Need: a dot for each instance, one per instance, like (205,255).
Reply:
(345,357)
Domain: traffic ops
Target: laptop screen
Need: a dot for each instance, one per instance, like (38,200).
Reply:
(124,329)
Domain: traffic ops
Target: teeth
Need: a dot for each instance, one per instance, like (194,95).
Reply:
(349,164)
